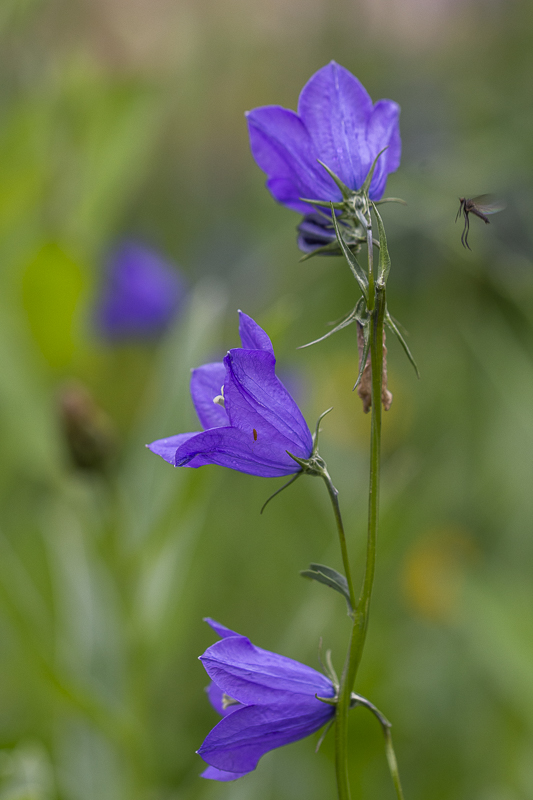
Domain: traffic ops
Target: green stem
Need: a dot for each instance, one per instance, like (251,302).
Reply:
(361,616)
(334,496)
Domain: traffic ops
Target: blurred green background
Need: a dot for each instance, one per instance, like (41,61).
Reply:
(125,118)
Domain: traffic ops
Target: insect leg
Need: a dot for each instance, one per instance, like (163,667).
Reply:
(467,229)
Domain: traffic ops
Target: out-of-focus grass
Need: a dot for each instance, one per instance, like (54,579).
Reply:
(126,118)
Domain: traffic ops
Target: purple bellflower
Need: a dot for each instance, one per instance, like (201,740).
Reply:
(140,295)
(266,701)
(250,420)
(336,123)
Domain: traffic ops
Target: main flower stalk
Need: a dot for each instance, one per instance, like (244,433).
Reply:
(362,610)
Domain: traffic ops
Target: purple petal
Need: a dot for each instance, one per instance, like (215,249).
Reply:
(214,774)
(236,449)
(252,336)
(166,448)
(383,131)
(206,384)
(238,741)
(219,629)
(257,400)
(336,108)
(255,676)
(336,124)
(216,698)
(282,147)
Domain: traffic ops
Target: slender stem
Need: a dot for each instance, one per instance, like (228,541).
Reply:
(370,247)
(334,496)
(360,625)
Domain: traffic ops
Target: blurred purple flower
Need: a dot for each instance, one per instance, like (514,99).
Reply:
(267,701)
(141,293)
(336,123)
(249,418)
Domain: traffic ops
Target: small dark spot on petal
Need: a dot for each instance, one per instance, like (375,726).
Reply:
(255,435)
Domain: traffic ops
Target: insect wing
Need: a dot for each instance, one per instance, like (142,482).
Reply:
(487,204)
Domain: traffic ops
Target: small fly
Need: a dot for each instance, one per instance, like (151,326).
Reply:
(481,206)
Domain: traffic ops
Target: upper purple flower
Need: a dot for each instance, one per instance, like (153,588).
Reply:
(267,700)
(336,123)
(249,418)
(141,293)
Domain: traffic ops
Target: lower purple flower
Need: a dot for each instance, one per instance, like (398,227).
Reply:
(250,420)
(266,701)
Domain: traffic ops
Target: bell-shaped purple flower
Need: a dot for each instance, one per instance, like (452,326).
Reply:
(336,123)
(250,420)
(267,701)
(140,295)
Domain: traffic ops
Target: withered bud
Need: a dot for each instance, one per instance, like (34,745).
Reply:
(89,433)
(364,390)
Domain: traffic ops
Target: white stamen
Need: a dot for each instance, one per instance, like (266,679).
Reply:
(219,399)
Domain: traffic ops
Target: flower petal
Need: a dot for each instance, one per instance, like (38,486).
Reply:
(166,448)
(336,108)
(282,147)
(221,630)
(257,400)
(236,449)
(238,741)
(252,336)
(254,676)
(214,774)
(206,384)
(383,131)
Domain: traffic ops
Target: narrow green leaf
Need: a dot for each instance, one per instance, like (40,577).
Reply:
(384,257)
(329,577)
(362,365)
(394,328)
(357,271)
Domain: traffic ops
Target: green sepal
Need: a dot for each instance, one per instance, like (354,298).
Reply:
(332,249)
(345,190)
(317,428)
(322,203)
(390,200)
(347,320)
(384,257)
(391,324)
(272,496)
(368,180)
(357,271)
(329,577)
(325,731)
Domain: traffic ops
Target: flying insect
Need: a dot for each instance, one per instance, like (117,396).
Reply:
(482,206)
